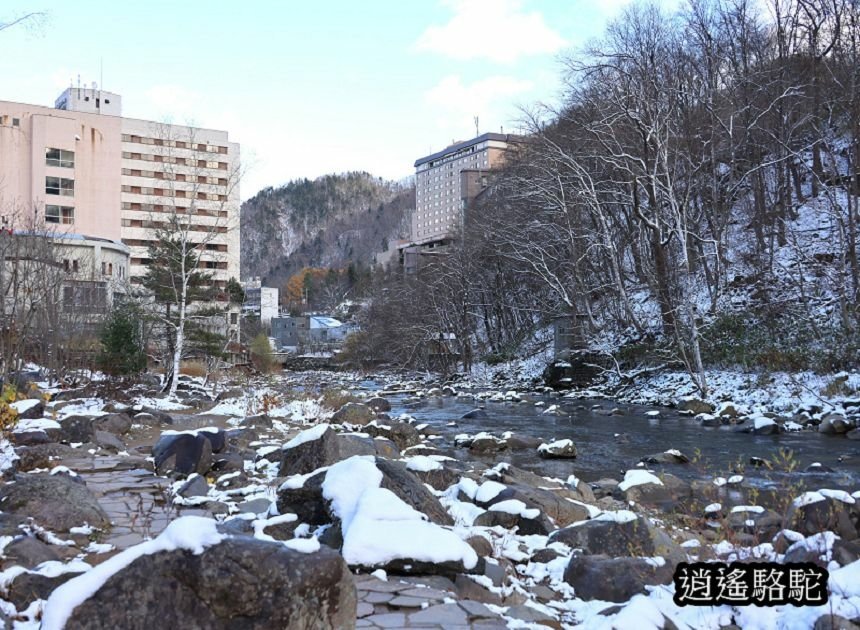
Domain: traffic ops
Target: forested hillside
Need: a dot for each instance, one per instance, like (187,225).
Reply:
(691,202)
(326,222)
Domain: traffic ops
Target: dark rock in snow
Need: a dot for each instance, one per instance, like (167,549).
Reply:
(77,429)
(474,413)
(353,413)
(240,583)
(408,487)
(378,403)
(181,454)
(613,579)
(329,448)
(58,502)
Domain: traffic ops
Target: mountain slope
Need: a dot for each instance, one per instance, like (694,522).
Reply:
(326,222)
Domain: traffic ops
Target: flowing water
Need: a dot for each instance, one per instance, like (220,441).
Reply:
(607,445)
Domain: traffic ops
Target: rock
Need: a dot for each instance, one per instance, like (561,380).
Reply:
(481,545)
(695,406)
(467,588)
(473,414)
(108,441)
(378,403)
(306,501)
(408,487)
(846,552)
(241,583)
(28,587)
(180,454)
(709,420)
(853,434)
(672,490)
(525,526)
(77,429)
(823,514)
(523,442)
(834,622)
(329,448)
(35,410)
(552,503)
(484,443)
(116,423)
(58,502)
(620,538)
(613,579)
(195,486)
(604,487)
(818,467)
(32,438)
(532,617)
(261,421)
(43,455)
(29,551)
(402,434)
(152,417)
(386,448)
(560,449)
(835,423)
(440,478)
(353,413)
(672,456)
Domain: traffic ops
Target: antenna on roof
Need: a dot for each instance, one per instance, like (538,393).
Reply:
(477,132)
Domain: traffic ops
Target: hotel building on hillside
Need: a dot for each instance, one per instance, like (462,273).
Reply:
(445,184)
(101,178)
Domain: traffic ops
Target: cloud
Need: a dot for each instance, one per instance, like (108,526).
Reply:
(456,103)
(498,30)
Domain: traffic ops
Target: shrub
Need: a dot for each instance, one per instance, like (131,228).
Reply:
(261,353)
(122,351)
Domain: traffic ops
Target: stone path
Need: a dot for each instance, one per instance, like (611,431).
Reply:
(426,602)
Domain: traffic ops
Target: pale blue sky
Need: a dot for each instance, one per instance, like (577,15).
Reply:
(307,87)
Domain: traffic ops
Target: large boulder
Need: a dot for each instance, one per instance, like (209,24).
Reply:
(409,489)
(179,454)
(613,579)
(619,534)
(116,423)
(77,429)
(29,409)
(694,406)
(306,501)
(320,446)
(824,510)
(353,413)
(835,422)
(58,502)
(240,583)
(378,403)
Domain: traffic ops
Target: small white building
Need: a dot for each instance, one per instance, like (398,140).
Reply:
(260,300)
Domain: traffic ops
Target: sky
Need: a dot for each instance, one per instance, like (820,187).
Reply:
(307,87)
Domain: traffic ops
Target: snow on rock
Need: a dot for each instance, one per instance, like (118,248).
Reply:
(8,456)
(638,478)
(308,435)
(36,424)
(559,448)
(378,527)
(515,506)
(22,406)
(422,463)
(192,533)
(488,491)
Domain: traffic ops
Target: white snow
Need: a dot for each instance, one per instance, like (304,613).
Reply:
(36,424)
(422,463)
(638,478)
(192,533)
(22,406)
(515,506)
(378,527)
(488,491)
(308,435)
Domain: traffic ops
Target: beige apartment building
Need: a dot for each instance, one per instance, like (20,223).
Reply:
(446,181)
(86,170)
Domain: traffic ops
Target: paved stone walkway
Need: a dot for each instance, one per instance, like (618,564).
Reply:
(419,603)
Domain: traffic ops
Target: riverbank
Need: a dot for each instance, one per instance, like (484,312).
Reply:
(406,512)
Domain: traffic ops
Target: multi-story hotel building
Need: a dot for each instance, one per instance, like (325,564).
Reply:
(86,170)
(446,181)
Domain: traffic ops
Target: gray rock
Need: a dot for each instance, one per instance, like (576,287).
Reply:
(28,587)
(29,551)
(239,584)
(613,579)
(487,444)
(614,539)
(77,429)
(328,449)
(58,502)
(667,457)
(474,413)
(306,502)
(562,449)
(36,411)
(525,526)
(353,413)
(377,403)
(408,487)
(827,515)
(117,423)
(695,406)
(196,486)
(834,622)
(835,423)
(182,454)
(108,441)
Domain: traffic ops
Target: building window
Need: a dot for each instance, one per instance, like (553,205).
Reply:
(60,214)
(59,157)
(16,122)
(59,186)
